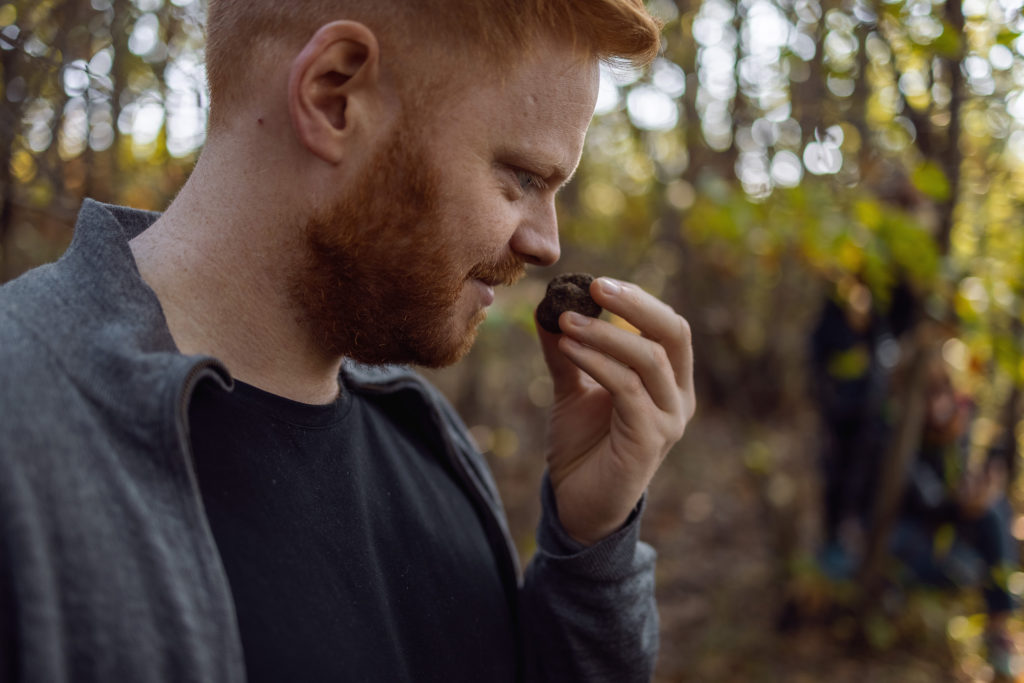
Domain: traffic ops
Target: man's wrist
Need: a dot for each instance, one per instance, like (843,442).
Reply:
(609,559)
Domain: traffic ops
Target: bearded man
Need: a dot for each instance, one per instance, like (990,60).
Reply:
(214,465)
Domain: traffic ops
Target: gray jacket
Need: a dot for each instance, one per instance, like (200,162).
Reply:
(108,568)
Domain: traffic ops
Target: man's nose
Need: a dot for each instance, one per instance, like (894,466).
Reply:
(536,239)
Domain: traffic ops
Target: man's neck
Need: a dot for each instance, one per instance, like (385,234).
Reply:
(218,260)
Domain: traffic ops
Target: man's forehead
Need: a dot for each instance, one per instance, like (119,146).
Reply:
(548,75)
(553,105)
(532,115)
(551,95)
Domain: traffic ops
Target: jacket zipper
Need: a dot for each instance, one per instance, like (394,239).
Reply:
(201,369)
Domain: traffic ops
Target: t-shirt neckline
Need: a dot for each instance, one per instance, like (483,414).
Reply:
(297,413)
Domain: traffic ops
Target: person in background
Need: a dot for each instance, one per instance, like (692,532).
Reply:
(854,348)
(954,526)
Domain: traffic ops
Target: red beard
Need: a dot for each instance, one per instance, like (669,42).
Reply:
(381,278)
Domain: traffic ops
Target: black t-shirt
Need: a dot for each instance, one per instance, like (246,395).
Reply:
(352,552)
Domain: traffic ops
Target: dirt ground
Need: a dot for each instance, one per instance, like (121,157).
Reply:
(733,513)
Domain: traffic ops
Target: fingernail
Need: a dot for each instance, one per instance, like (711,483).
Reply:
(577,320)
(609,286)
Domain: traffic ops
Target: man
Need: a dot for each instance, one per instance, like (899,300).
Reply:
(212,468)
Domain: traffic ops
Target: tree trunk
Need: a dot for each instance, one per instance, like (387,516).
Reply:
(899,457)
(952,157)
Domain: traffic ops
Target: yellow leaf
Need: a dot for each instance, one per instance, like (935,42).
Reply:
(622,324)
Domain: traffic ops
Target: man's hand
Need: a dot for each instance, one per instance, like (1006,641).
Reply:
(621,401)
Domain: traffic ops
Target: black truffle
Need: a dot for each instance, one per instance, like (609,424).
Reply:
(567,292)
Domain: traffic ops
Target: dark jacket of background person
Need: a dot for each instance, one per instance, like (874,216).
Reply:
(939,470)
(108,569)
(849,383)
(854,348)
(944,494)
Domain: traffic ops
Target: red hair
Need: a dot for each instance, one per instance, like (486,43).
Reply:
(421,35)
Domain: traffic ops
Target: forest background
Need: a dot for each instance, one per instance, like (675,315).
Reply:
(778,153)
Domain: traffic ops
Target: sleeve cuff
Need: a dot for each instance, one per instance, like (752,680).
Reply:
(610,559)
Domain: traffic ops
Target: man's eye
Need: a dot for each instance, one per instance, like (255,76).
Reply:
(529,180)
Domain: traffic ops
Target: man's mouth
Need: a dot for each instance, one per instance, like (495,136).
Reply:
(505,272)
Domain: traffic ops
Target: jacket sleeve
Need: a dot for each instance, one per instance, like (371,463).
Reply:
(7,634)
(588,613)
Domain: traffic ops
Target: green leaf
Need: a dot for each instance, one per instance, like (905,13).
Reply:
(869,212)
(1007,37)
(950,43)
(893,9)
(931,181)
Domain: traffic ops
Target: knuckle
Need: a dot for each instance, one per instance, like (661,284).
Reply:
(632,384)
(658,358)
(674,424)
(683,326)
(675,431)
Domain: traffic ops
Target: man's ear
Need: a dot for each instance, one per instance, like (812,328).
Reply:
(333,88)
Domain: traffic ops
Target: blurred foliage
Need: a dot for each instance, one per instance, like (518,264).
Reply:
(104,99)
(778,150)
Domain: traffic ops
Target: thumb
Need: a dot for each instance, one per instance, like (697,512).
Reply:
(564,373)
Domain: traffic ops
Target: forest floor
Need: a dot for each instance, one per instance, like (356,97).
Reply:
(734,516)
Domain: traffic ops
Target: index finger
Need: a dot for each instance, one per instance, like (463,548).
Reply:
(655,319)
